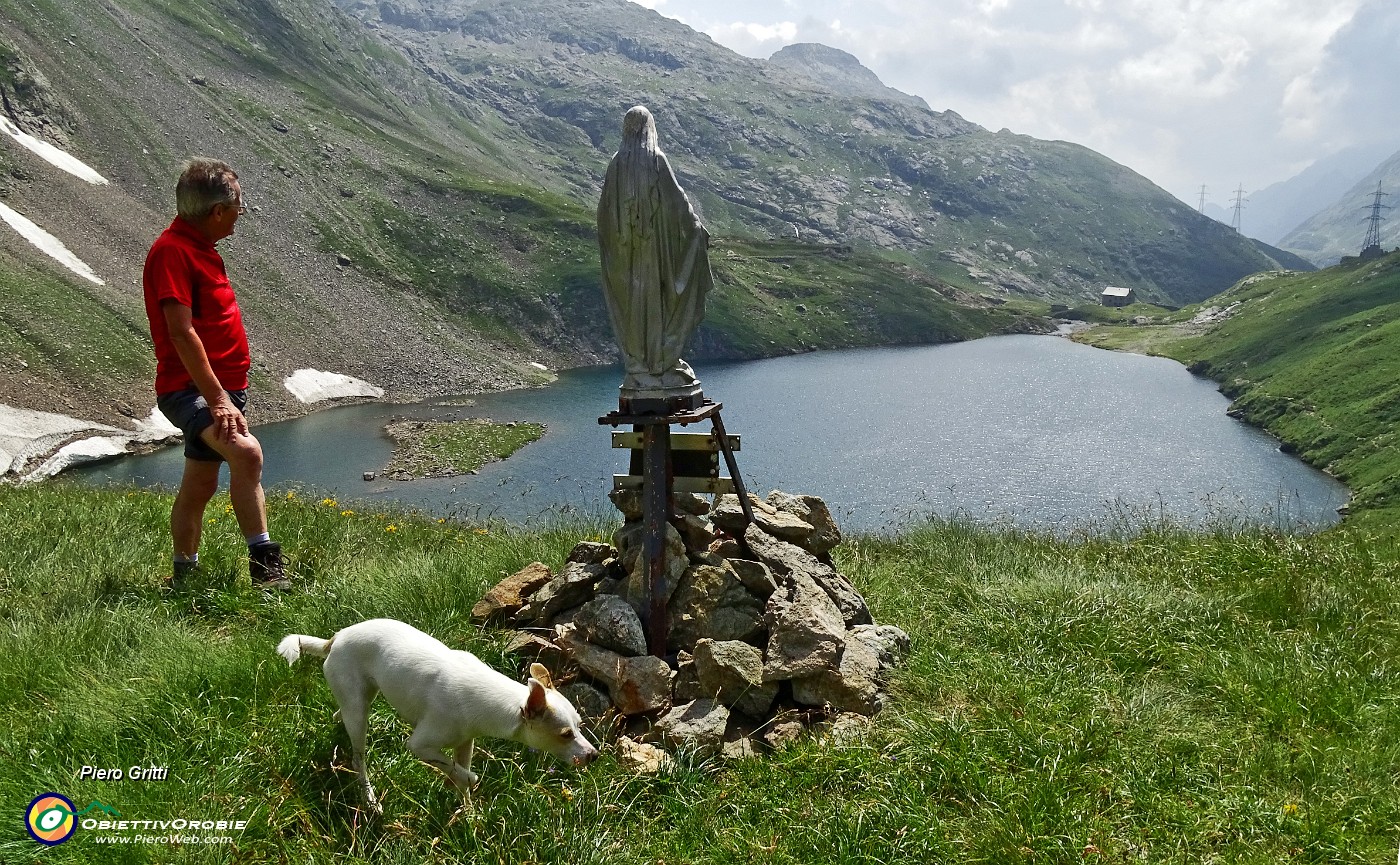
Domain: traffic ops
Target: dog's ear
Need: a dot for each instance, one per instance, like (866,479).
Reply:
(539,671)
(536,701)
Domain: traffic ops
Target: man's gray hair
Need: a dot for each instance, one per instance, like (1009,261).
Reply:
(204,183)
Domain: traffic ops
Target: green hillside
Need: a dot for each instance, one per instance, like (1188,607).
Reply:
(1314,358)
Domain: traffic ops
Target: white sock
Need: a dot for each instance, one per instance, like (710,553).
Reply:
(255,540)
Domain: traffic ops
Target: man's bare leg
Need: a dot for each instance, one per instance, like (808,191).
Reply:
(197,486)
(245,464)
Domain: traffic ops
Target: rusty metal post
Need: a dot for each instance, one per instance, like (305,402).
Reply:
(656,516)
(722,439)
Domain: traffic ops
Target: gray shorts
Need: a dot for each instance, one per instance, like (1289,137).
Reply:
(189,412)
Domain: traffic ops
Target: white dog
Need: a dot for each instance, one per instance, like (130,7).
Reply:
(449,697)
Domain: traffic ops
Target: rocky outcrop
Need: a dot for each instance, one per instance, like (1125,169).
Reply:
(766,639)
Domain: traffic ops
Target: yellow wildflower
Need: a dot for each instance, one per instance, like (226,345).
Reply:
(391,528)
(330,503)
(1290,808)
(347,513)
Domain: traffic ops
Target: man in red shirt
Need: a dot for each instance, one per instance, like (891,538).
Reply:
(202,363)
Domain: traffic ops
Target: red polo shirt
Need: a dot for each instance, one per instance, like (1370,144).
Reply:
(184,267)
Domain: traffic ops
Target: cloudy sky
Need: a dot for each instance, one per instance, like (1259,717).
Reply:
(1185,92)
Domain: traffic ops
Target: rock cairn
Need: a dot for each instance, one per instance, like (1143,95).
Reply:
(766,639)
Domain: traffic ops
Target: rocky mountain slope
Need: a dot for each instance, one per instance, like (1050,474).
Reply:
(806,146)
(1340,228)
(423,176)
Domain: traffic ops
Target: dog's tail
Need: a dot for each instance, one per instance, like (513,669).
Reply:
(293,645)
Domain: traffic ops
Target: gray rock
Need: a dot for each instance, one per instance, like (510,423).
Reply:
(509,595)
(686,685)
(712,602)
(698,725)
(727,548)
(636,588)
(844,728)
(610,622)
(782,731)
(591,553)
(530,647)
(850,686)
(825,535)
(629,502)
(728,515)
(571,588)
(891,644)
(805,629)
(591,703)
(756,577)
(697,532)
(690,503)
(635,685)
(786,558)
(732,672)
(705,557)
(739,749)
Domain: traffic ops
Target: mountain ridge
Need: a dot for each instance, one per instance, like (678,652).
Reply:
(422,199)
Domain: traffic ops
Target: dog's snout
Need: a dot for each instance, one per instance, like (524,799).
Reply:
(587,757)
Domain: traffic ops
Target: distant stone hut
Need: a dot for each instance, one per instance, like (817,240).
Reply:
(1115,295)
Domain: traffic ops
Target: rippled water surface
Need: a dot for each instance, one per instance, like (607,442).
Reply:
(1035,430)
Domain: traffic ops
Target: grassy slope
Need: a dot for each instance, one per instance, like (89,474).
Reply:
(1170,697)
(1315,359)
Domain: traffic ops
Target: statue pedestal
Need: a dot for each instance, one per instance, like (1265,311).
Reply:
(658,480)
(659,400)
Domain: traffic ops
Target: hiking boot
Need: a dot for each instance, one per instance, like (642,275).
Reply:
(268,567)
(182,572)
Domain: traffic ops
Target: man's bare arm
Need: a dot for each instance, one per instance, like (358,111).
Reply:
(228,420)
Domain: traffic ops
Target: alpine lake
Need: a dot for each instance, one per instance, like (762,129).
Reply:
(1037,432)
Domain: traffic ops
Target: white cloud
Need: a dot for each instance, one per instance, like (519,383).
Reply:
(756,39)
(1183,91)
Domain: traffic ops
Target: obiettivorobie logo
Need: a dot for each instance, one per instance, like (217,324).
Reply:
(51,818)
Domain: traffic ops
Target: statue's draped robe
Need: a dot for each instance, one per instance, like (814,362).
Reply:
(656,267)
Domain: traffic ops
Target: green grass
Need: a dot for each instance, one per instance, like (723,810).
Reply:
(1312,357)
(1152,696)
(443,448)
(65,333)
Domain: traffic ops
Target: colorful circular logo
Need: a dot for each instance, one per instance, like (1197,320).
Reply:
(50,818)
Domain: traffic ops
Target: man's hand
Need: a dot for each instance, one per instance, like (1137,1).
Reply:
(228,420)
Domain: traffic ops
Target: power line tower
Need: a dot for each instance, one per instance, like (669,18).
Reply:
(1239,205)
(1371,246)
(1201,207)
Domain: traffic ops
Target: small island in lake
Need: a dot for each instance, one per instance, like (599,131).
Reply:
(439,449)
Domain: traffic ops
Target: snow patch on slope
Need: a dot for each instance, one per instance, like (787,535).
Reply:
(313,385)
